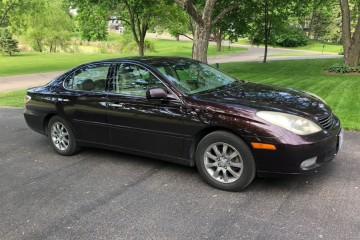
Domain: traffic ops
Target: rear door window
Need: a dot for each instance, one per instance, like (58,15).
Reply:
(89,78)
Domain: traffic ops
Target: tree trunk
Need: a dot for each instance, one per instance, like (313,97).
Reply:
(141,48)
(218,38)
(203,21)
(218,44)
(39,45)
(353,56)
(177,37)
(201,41)
(351,44)
(266,29)
(311,21)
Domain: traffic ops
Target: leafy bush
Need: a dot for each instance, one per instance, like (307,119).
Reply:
(128,44)
(292,37)
(285,37)
(343,68)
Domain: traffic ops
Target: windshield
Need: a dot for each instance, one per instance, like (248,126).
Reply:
(195,77)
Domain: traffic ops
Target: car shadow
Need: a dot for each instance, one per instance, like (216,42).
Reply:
(278,183)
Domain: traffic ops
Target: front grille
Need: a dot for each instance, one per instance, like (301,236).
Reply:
(326,121)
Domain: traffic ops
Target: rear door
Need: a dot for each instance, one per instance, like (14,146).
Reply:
(84,102)
(147,126)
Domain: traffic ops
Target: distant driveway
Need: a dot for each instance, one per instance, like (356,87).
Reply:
(99,194)
(256,54)
(10,83)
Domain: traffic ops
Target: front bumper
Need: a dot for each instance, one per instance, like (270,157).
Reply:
(288,158)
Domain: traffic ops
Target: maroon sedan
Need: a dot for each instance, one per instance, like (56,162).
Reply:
(185,111)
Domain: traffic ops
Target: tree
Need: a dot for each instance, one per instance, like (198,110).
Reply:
(6,8)
(203,19)
(270,17)
(92,20)
(351,41)
(46,24)
(139,16)
(231,25)
(175,21)
(7,44)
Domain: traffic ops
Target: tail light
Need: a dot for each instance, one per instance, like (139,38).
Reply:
(27,98)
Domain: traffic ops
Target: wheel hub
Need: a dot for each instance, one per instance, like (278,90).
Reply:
(223,162)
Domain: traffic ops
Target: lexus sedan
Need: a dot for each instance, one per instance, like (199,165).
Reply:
(184,111)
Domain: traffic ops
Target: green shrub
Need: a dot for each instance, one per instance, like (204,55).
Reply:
(343,68)
(292,37)
(8,46)
(128,44)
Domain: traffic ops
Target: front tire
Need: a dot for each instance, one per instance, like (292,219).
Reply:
(225,162)
(62,137)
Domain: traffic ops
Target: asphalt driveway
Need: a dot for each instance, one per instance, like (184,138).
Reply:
(100,194)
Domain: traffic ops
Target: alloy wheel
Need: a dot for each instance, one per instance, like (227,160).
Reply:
(223,162)
(60,136)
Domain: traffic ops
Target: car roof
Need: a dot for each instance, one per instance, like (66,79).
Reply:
(150,60)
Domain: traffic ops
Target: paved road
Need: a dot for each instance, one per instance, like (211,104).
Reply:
(256,54)
(99,194)
(10,83)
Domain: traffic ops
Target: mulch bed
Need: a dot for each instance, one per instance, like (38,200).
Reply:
(326,72)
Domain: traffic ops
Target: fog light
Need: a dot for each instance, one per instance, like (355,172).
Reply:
(309,162)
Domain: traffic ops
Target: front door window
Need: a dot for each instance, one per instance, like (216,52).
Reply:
(134,80)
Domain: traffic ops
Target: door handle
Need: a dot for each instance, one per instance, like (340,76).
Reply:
(115,105)
(63,100)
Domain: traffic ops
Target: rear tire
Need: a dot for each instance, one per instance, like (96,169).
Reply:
(225,161)
(61,136)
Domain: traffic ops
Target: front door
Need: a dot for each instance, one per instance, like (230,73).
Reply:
(139,124)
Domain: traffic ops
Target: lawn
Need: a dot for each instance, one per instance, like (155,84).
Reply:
(33,62)
(341,92)
(13,98)
(314,45)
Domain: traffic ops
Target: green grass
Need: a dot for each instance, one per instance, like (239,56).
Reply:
(183,49)
(33,62)
(341,92)
(314,45)
(13,98)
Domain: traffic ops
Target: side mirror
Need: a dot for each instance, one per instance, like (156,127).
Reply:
(158,93)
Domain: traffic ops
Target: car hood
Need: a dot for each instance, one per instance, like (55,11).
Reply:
(267,97)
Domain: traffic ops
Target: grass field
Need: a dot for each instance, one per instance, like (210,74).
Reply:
(33,62)
(317,46)
(341,92)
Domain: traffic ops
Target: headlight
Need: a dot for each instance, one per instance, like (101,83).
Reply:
(295,124)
